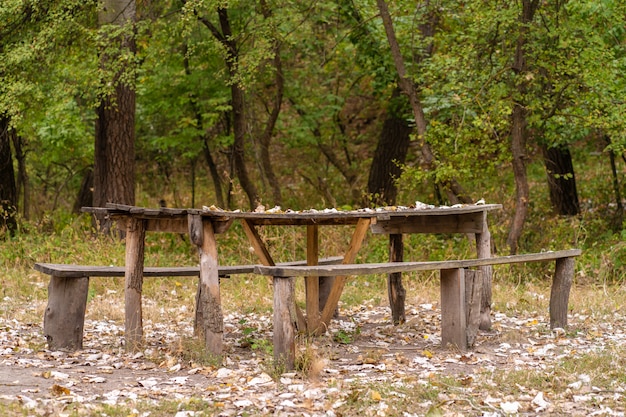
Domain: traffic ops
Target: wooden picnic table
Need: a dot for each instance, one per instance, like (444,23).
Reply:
(204,224)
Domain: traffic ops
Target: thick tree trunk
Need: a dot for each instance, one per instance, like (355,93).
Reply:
(386,166)
(114,167)
(561,180)
(8,191)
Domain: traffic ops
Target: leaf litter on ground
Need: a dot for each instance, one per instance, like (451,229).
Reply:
(521,367)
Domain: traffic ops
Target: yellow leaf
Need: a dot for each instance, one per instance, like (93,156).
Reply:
(59,390)
(376,396)
(427,353)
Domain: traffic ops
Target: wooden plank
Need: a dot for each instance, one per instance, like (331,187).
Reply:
(395,289)
(452,223)
(64,318)
(559,294)
(453,317)
(473,296)
(483,250)
(312,283)
(391,267)
(284,323)
(135,242)
(79,271)
(349,257)
(210,320)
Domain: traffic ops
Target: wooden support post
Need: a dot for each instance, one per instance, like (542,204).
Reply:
(64,318)
(483,250)
(453,318)
(135,242)
(559,295)
(284,322)
(395,289)
(335,293)
(473,295)
(209,305)
(312,284)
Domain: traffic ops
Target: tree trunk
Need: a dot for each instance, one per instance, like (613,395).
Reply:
(114,168)
(8,191)
(519,133)
(389,156)
(453,188)
(22,176)
(561,180)
(266,137)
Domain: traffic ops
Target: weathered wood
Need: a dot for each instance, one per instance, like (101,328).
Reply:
(64,318)
(453,318)
(395,289)
(194,226)
(559,294)
(135,241)
(209,303)
(473,296)
(483,250)
(451,223)
(78,271)
(312,284)
(390,267)
(349,257)
(284,322)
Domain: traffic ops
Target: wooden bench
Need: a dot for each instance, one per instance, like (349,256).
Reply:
(64,317)
(460,292)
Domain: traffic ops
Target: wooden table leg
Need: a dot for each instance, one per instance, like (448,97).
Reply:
(395,289)
(453,314)
(209,305)
(312,284)
(135,244)
(335,293)
(483,250)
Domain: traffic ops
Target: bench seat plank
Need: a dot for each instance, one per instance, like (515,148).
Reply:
(78,271)
(394,267)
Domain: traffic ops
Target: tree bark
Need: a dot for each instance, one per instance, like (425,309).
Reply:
(389,156)
(519,132)
(22,176)
(454,190)
(114,168)
(561,180)
(8,190)
(265,138)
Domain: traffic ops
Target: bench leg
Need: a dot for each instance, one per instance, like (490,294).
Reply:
(64,318)
(473,297)
(559,295)
(284,322)
(453,315)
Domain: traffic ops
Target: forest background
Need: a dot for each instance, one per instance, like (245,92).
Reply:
(320,104)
